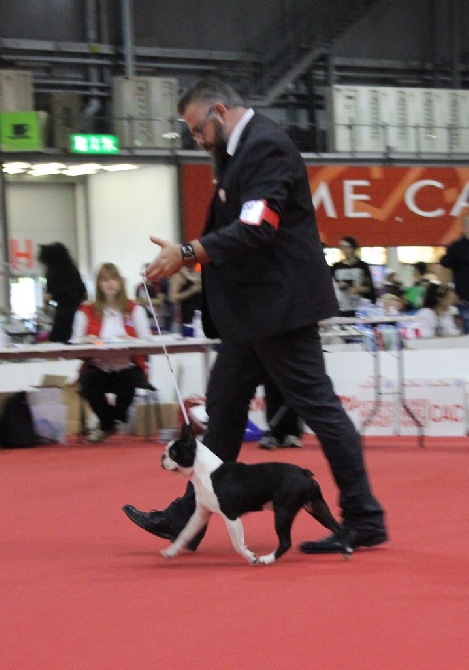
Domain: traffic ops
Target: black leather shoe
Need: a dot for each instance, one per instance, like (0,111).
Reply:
(153,522)
(356,539)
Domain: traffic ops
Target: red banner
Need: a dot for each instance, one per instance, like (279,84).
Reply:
(379,206)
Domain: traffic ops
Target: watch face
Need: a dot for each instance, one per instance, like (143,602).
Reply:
(187,252)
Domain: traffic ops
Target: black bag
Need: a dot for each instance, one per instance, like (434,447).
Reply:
(16,423)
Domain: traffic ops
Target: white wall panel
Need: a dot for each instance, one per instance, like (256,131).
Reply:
(43,213)
(341,107)
(458,135)
(407,120)
(401,116)
(433,135)
(125,208)
(359,115)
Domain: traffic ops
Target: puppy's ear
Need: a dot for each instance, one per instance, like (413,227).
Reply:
(187,433)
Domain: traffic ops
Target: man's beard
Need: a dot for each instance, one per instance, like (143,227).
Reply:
(218,150)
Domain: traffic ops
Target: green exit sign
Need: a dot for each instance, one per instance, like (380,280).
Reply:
(94,144)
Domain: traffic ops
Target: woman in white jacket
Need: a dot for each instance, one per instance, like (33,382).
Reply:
(112,317)
(436,317)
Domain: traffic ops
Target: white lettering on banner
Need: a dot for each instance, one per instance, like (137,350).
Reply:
(350,197)
(462,202)
(414,189)
(322,197)
(252,211)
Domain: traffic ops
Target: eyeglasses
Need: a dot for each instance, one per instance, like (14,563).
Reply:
(345,246)
(198,130)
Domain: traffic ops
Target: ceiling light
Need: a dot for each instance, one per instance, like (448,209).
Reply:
(84,168)
(120,166)
(15,167)
(44,169)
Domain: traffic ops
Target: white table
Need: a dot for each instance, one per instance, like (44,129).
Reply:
(430,343)
(52,351)
(132,346)
(374,322)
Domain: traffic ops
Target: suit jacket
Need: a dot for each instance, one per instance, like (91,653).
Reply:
(264,280)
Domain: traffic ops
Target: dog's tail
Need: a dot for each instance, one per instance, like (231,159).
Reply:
(319,509)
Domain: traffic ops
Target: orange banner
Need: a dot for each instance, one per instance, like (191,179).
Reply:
(378,205)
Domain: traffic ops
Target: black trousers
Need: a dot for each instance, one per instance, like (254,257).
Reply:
(282,420)
(95,383)
(295,362)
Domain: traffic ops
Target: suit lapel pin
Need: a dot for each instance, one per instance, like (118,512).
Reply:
(222,194)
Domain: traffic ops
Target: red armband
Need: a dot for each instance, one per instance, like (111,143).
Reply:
(254,212)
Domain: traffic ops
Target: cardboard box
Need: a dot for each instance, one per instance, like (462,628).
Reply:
(50,421)
(158,417)
(54,380)
(56,388)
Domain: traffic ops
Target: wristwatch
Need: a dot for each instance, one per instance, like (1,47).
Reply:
(188,254)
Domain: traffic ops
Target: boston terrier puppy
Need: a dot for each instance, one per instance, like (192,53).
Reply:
(233,489)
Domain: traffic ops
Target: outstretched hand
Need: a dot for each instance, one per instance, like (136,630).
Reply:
(167,262)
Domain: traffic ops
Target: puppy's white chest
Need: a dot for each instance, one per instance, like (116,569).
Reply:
(205,495)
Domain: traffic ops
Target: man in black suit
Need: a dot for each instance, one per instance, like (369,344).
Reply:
(266,285)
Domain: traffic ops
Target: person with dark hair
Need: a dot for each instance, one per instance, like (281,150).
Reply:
(112,317)
(158,291)
(352,277)
(456,259)
(391,284)
(285,426)
(436,318)
(265,287)
(414,294)
(185,291)
(64,286)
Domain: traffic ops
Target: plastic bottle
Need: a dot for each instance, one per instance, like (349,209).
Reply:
(176,327)
(197,324)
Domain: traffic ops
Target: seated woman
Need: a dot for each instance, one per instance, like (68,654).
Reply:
(436,318)
(111,317)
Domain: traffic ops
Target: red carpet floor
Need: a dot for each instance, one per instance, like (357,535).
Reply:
(82,588)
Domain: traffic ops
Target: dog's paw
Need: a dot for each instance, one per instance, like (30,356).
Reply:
(170,552)
(347,553)
(267,559)
(252,558)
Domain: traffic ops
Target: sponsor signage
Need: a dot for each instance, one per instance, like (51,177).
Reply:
(20,131)
(378,205)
